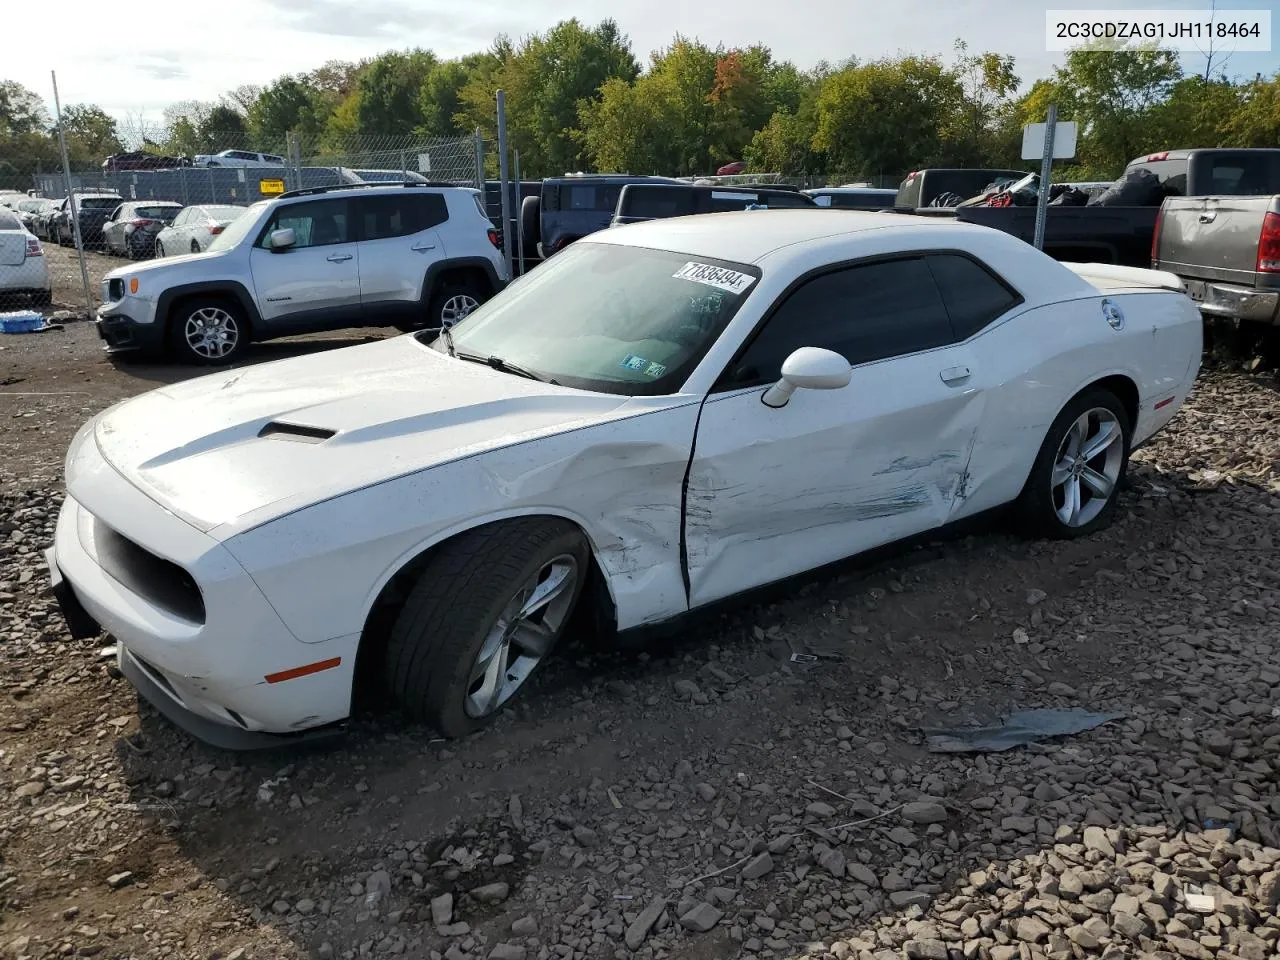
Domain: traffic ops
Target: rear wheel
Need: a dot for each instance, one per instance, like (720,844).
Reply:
(208,331)
(42,298)
(159,249)
(531,224)
(195,247)
(1077,475)
(484,614)
(452,302)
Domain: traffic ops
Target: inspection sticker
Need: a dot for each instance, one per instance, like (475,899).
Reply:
(632,362)
(720,277)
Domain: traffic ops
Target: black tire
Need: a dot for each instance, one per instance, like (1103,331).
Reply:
(159,249)
(42,299)
(455,603)
(185,313)
(449,295)
(1038,505)
(531,224)
(195,247)
(129,251)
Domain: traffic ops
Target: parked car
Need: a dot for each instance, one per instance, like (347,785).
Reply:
(921,188)
(29,209)
(238,158)
(195,227)
(571,207)
(92,210)
(24,271)
(43,222)
(492,202)
(1226,246)
(134,226)
(315,259)
(1218,172)
(141,160)
(661,417)
(651,201)
(853,198)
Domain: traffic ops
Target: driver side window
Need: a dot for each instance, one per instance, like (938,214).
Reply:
(864,313)
(316,223)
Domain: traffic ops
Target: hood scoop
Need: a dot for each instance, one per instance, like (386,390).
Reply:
(297,432)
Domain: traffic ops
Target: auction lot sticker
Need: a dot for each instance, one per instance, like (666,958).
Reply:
(720,277)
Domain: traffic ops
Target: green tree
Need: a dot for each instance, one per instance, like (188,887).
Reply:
(1256,121)
(623,130)
(785,144)
(91,134)
(284,107)
(389,90)
(887,117)
(439,100)
(225,125)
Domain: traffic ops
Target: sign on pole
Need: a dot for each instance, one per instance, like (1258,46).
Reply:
(1064,140)
(1049,141)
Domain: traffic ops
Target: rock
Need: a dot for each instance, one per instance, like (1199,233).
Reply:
(1128,925)
(925,950)
(757,867)
(1035,596)
(442,909)
(306,906)
(378,883)
(820,809)
(1069,886)
(1187,948)
(30,790)
(832,861)
(525,927)
(1083,938)
(1030,929)
(924,812)
(640,927)
(701,918)
(907,898)
(491,892)
(507,951)
(705,791)
(861,874)
(118,880)
(585,836)
(1096,839)
(893,882)
(686,689)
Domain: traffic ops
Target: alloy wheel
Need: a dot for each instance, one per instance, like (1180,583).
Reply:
(211,333)
(1087,467)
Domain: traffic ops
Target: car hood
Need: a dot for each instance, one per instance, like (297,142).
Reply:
(233,450)
(190,262)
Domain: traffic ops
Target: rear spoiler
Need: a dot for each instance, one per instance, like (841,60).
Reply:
(1133,276)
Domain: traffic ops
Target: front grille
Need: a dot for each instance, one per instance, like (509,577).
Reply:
(161,581)
(115,289)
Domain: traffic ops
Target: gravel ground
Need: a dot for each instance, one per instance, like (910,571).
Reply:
(707,798)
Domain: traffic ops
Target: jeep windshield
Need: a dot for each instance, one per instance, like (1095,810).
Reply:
(609,318)
(236,230)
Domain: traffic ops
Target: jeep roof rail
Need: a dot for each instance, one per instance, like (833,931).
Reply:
(311,191)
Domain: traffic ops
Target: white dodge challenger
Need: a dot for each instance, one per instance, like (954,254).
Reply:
(660,417)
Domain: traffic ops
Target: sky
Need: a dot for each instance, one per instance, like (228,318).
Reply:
(160,51)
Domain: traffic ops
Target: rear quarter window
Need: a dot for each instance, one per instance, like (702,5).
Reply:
(972,294)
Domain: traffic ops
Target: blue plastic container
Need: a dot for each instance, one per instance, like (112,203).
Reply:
(21,321)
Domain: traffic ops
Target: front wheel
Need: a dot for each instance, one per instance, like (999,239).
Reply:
(1076,478)
(208,332)
(484,614)
(452,304)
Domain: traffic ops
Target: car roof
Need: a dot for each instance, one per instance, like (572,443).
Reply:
(744,236)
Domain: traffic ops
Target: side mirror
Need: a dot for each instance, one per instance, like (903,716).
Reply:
(282,240)
(812,368)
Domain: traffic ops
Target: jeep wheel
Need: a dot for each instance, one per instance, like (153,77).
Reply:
(208,331)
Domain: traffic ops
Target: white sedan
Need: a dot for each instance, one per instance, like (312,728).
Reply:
(24,270)
(662,416)
(194,228)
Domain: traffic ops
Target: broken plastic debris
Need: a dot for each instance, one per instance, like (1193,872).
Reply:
(1018,729)
(106,652)
(1201,903)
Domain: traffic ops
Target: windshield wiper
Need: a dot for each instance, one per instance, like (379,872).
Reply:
(505,366)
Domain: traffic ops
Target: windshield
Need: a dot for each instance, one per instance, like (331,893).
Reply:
(615,319)
(224,213)
(240,226)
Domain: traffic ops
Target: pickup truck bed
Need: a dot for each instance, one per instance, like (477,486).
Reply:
(1116,235)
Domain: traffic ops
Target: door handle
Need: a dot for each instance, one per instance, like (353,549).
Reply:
(338,257)
(422,247)
(954,374)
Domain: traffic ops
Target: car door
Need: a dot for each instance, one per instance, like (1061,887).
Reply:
(399,241)
(775,492)
(315,284)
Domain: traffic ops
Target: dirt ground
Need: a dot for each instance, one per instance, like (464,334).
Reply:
(707,798)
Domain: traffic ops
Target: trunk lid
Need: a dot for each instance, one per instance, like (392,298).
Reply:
(1213,238)
(13,248)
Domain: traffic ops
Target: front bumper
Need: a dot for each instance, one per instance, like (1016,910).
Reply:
(123,334)
(1235,302)
(223,676)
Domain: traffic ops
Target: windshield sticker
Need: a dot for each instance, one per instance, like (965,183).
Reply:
(632,362)
(730,280)
(655,370)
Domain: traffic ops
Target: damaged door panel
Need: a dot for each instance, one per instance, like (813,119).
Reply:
(774,492)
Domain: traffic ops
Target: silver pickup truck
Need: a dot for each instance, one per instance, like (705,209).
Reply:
(1225,245)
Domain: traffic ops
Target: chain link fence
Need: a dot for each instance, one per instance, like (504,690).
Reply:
(119,207)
